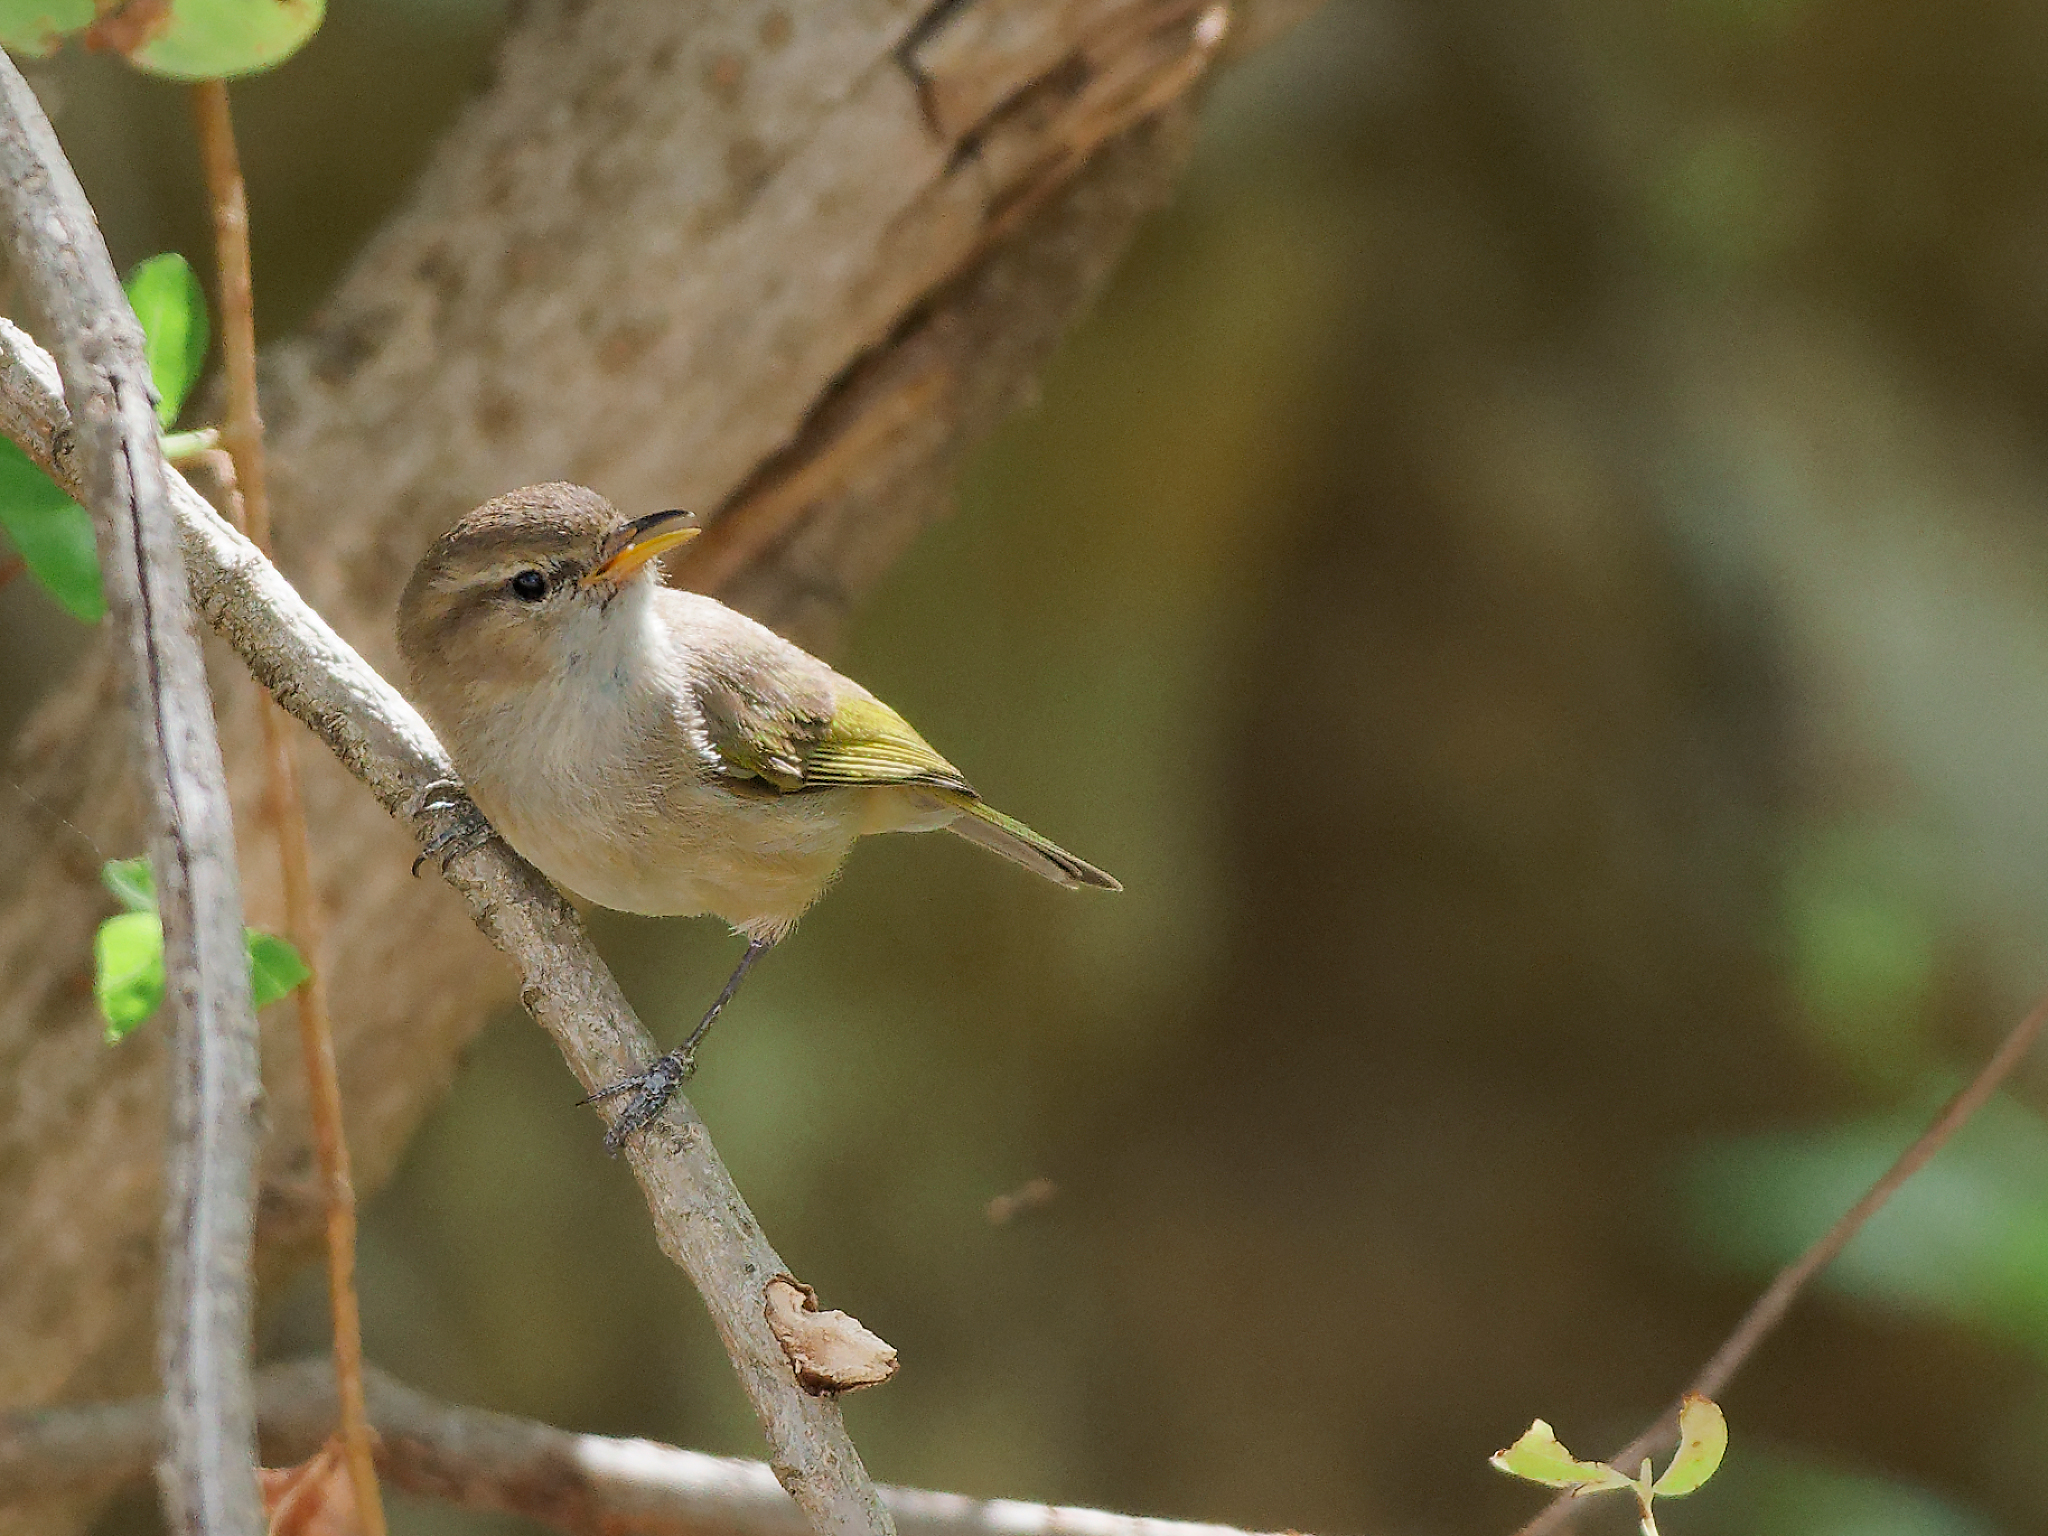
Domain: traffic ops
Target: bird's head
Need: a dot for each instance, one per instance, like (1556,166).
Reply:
(518,589)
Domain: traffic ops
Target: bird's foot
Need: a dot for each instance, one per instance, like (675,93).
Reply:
(652,1089)
(462,827)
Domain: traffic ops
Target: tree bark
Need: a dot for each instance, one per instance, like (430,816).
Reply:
(780,265)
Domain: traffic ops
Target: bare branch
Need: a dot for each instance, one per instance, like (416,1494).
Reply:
(68,282)
(700,1218)
(1769,1309)
(586,1485)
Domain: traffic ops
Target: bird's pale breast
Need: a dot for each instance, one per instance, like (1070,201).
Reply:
(613,806)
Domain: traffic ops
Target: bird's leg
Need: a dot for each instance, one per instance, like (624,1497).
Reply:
(668,1072)
(465,827)
(756,948)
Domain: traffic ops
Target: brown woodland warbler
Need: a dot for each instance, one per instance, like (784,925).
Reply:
(654,751)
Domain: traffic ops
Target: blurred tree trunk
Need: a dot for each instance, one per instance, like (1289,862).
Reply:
(780,265)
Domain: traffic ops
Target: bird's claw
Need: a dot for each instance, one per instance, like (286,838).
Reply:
(464,829)
(652,1090)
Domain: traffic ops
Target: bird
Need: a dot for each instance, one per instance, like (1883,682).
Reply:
(654,751)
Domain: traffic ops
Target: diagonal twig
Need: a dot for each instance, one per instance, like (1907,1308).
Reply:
(700,1218)
(208,1472)
(1769,1309)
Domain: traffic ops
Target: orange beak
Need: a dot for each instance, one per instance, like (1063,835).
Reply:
(642,540)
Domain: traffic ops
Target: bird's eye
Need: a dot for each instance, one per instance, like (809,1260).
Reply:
(529,586)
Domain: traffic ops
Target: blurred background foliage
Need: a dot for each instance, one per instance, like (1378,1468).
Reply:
(1535,577)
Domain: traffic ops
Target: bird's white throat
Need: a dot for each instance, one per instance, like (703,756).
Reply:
(571,729)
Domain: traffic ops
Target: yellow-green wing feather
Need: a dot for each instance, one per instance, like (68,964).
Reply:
(795,738)
(867,742)
(795,734)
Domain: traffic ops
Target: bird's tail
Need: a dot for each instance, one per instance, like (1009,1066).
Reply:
(986,825)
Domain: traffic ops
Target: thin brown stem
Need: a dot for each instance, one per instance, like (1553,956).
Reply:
(242,438)
(1770,1308)
(242,433)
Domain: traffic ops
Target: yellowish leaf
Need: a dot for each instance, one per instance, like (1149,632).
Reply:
(1540,1458)
(1702,1440)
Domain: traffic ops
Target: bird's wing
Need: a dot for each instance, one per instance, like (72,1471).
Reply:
(867,742)
(814,735)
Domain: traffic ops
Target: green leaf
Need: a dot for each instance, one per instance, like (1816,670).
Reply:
(1540,1458)
(38,27)
(128,971)
(274,967)
(171,305)
(52,533)
(128,954)
(219,39)
(1702,1441)
(132,882)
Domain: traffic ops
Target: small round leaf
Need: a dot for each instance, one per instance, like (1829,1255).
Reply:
(171,305)
(132,881)
(53,535)
(38,27)
(274,967)
(128,971)
(219,39)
